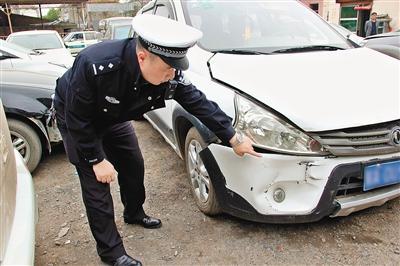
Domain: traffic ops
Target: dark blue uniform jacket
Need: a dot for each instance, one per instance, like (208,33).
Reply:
(105,87)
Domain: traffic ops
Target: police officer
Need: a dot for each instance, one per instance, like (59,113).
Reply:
(109,84)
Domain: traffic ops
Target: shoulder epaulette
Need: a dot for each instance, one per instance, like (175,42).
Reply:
(106,66)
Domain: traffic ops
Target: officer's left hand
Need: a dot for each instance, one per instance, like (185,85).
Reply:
(245,147)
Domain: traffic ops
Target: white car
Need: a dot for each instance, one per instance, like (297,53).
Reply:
(18,212)
(17,61)
(327,125)
(48,42)
(78,40)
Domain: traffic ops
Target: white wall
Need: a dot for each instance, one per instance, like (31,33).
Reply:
(331,11)
(390,7)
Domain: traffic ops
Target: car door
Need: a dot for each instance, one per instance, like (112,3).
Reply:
(79,40)
(162,117)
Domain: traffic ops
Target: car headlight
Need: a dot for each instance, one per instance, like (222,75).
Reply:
(271,132)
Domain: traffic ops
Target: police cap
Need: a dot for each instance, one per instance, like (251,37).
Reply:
(166,38)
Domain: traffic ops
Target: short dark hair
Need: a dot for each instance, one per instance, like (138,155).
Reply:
(373,13)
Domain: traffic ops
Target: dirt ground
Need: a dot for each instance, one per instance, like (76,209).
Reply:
(188,237)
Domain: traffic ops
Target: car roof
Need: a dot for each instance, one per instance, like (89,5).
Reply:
(83,31)
(33,32)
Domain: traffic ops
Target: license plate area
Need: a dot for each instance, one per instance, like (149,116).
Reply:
(381,174)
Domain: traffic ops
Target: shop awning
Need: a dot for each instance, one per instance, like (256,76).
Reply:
(363,7)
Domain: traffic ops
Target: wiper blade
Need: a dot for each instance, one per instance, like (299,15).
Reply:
(38,49)
(309,48)
(237,51)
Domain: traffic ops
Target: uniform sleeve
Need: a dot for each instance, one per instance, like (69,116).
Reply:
(208,112)
(80,111)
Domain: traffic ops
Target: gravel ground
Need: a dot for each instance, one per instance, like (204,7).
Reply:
(370,237)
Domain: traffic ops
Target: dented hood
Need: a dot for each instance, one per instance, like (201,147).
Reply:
(318,91)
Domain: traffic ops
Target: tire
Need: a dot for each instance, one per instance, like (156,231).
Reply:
(199,180)
(27,142)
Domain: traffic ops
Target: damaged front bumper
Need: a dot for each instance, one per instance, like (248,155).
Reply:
(313,187)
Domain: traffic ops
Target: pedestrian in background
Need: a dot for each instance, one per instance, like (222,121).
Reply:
(371,26)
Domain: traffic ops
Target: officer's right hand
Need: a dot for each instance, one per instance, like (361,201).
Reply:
(104,171)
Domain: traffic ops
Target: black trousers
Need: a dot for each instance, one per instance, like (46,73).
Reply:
(122,150)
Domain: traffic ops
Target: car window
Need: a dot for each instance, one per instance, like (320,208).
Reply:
(14,49)
(162,10)
(37,41)
(90,35)
(68,37)
(262,26)
(77,37)
(121,31)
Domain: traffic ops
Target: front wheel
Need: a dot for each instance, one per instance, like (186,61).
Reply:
(200,183)
(27,142)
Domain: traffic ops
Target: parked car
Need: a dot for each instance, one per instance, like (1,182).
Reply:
(104,24)
(118,31)
(48,42)
(330,146)
(385,43)
(14,57)
(27,101)
(78,40)
(18,212)
(388,38)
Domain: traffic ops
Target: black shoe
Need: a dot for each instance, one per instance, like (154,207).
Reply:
(146,222)
(124,260)
(127,260)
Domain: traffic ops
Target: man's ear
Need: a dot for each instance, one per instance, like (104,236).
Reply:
(141,55)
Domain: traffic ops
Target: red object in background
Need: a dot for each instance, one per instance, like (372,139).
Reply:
(368,7)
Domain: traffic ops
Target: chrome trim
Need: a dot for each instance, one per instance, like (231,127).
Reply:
(368,199)
(368,140)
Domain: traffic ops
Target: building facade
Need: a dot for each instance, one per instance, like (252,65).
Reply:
(352,14)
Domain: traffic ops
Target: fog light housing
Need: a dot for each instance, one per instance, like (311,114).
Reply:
(279,195)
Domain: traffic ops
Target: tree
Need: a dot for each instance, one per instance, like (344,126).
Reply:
(53,14)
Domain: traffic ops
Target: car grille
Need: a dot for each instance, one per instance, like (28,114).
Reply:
(368,140)
(350,186)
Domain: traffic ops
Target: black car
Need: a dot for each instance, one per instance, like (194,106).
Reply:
(27,111)
(26,88)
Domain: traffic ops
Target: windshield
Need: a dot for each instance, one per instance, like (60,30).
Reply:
(15,49)
(37,41)
(262,26)
(121,31)
(69,36)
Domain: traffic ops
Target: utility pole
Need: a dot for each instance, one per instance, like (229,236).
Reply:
(41,16)
(8,12)
(83,16)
